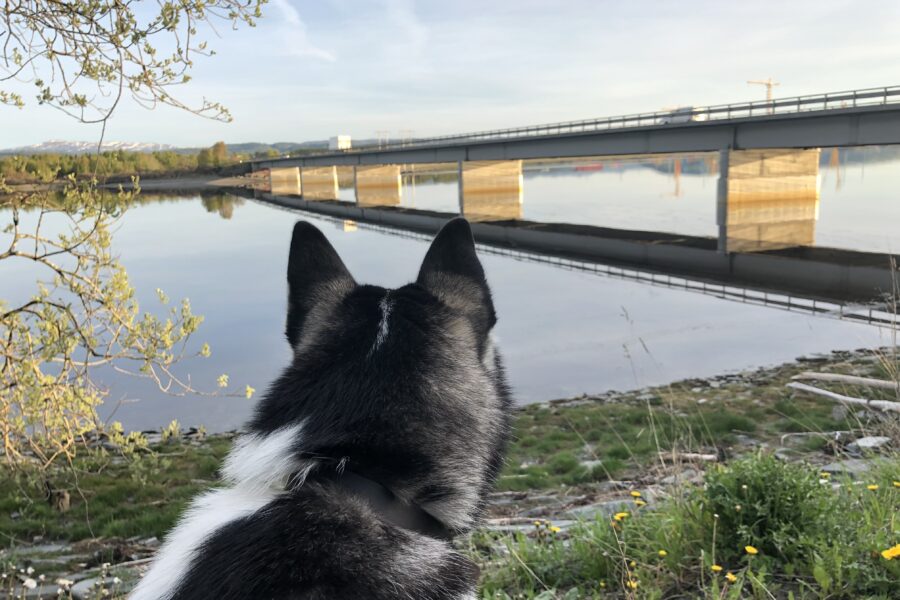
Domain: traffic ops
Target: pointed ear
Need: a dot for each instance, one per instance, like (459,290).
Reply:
(315,275)
(452,272)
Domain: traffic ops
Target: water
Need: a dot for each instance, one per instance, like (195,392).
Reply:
(562,332)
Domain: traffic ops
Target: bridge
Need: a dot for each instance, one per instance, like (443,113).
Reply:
(839,119)
(766,154)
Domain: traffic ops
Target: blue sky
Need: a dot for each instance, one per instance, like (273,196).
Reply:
(315,69)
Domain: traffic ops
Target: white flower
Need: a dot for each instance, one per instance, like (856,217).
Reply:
(29,570)
(30,583)
(66,583)
(116,581)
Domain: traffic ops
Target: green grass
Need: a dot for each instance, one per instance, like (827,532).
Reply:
(812,542)
(109,499)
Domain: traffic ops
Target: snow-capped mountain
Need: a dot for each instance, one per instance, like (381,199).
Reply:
(67,147)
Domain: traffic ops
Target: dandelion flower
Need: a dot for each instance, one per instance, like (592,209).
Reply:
(716,568)
(730,577)
(635,494)
(824,475)
(248,392)
(537,523)
(29,583)
(555,529)
(222,380)
(603,584)
(632,584)
(897,484)
(872,487)
(620,516)
(751,550)
(663,553)
(891,553)
(632,564)
(639,503)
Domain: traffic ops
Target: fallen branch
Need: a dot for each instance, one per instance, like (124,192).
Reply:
(883,405)
(688,457)
(851,379)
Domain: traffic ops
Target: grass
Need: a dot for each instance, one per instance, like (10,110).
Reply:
(110,498)
(813,541)
(809,541)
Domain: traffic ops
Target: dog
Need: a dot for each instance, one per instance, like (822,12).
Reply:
(375,447)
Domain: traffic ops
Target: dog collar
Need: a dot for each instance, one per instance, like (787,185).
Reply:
(388,506)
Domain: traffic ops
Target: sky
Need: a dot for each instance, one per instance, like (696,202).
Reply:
(314,69)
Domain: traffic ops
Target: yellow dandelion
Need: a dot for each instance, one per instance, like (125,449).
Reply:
(663,553)
(751,550)
(555,529)
(635,494)
(639,503)
(603,584)
(632,564)
(891,553)
(632,584)
(620,516)
(872,487)
(537,523)
(716,568)
(824,475)
(730,577)
(897,484)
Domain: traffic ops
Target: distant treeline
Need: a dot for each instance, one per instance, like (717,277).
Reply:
(119,164)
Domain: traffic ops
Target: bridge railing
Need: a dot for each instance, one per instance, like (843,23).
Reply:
(797,104)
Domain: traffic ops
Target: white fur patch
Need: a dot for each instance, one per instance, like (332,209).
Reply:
(264,461)
(206,514)
(258,468)
(385,323)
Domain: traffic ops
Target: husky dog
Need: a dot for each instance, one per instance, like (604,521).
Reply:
(375,447)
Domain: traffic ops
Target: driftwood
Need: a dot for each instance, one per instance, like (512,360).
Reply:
(883,405)
(849,379)
(688,457)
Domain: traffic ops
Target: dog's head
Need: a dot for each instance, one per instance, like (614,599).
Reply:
(402,385)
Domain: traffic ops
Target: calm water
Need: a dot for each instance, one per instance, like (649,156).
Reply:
(562,332)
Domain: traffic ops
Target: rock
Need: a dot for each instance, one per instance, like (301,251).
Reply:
(685,476)
(607,509)
(839,412)
(872,443)
(852,466)
(786,454)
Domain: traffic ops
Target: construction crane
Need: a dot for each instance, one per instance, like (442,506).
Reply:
(769,83)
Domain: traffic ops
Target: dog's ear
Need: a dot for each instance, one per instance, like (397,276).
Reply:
(452,272)
(315,274)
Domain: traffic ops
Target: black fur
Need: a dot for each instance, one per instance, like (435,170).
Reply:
(392,385)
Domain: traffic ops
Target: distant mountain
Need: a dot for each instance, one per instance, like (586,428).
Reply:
(67,147)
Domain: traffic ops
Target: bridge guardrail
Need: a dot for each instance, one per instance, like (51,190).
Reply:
(797,104)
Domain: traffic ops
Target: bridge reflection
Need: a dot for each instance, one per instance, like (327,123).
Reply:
(545,243)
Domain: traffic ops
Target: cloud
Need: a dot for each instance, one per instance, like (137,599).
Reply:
(294,35)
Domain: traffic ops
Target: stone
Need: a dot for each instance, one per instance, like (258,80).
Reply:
(872,443)
(685,476)
(852,466)
(590,512)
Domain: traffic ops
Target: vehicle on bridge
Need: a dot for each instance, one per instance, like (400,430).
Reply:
(683,114)
(340,142)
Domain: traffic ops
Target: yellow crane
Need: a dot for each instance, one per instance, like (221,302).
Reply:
(769,83)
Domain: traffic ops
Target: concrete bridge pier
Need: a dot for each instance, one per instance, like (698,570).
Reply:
(767,199)
(319,183)
(490,190)
(285,181)
(378,185)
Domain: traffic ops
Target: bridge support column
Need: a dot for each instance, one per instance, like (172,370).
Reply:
(285,181)
(378,185)
(767,199)
(490,190)
(319,183)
